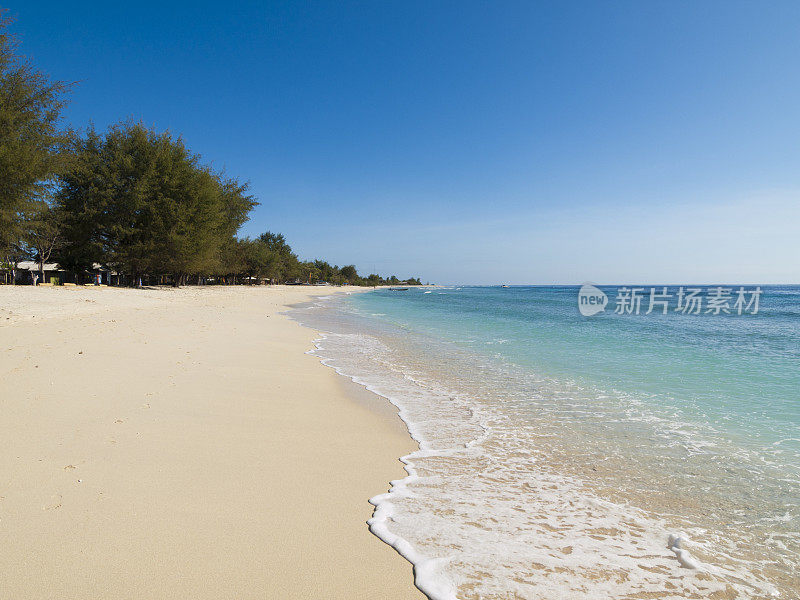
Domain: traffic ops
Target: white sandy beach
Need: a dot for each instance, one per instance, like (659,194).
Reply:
(181,444)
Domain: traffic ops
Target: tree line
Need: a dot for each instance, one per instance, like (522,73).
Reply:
(133,200)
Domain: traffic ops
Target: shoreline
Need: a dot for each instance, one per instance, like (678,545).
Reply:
(176,443)
(514,491)
(424,568)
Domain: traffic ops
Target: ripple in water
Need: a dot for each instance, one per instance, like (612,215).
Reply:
(527,487)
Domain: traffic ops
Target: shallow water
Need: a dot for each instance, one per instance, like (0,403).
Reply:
(559,452)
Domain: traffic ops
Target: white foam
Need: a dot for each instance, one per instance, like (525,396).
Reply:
(675,543)
(480,496)
(439,575)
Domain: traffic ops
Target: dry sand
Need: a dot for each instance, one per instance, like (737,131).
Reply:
(181,444)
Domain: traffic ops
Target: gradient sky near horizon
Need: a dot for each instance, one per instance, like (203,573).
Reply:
(471,142)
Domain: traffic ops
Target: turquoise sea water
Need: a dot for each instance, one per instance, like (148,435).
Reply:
(559,452)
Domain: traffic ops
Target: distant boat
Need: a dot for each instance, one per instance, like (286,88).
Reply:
(504,285)
(391,289)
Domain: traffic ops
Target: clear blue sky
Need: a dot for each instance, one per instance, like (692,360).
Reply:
(471,142)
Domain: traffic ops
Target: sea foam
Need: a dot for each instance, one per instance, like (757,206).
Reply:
(493,504)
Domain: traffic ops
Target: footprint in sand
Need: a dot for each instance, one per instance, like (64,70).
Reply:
(55,502)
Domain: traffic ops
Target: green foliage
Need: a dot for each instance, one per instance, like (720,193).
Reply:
(41,230)
(82,199)
(349,273)
(30,141)
(259,260)
(132,199)
(141,202)
(285,263)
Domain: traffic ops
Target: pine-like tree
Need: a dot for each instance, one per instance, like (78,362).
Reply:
(31,142)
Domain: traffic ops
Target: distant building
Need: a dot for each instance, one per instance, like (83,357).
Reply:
(52,272)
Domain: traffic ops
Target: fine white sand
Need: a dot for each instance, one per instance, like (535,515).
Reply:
(181,444)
